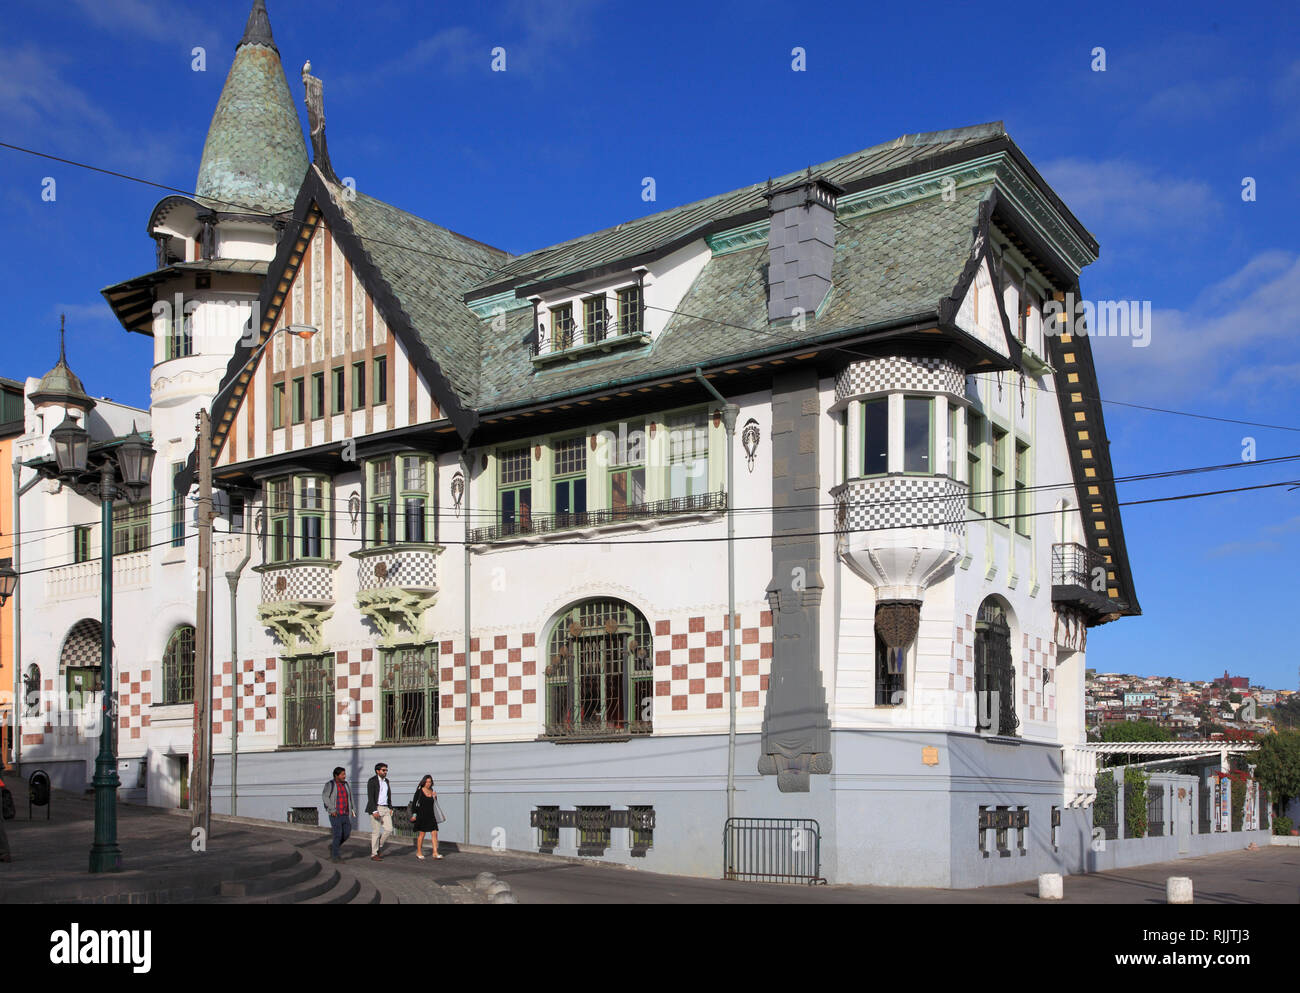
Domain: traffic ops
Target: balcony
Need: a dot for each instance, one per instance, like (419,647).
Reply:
(643,515)
(573,343)
(132,571)
(297,598)
(396,584)
(1079,579)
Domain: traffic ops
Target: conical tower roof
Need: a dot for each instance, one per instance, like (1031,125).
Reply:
(255,155)
(61,384)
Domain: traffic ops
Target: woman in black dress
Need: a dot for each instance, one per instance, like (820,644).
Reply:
(424,817)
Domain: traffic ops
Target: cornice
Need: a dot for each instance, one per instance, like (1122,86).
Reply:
(738,239)
(497,303)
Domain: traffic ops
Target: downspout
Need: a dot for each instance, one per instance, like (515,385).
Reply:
(729,412)
(18,600)
(469,667)
(232,577)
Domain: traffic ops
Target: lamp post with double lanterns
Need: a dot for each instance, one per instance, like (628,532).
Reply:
(133,459)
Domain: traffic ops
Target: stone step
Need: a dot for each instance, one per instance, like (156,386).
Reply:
(285,878)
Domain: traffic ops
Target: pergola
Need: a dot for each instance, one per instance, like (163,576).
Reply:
(1079,762)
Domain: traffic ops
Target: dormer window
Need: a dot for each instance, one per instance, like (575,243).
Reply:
(595,318)
(562,328)
(601,330)
(630,311)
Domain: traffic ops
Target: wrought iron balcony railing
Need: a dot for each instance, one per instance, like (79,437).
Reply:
(1077,565)
(565,338)
(528,524)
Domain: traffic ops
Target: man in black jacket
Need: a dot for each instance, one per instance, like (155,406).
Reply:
(379,805)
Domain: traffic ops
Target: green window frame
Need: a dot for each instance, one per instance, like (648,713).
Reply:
(308,688)
(381,379)
(600,671)
(408,694)
(358,385)
(340,390)
(515,487)
(595,318)
(180,336)
(178,508)
(875,437)
(627,482)
(130,527)
(379,491)
(299,400)
(630,310)
(569,477)
(277,405)
(998,465)
(974,463)
(313,516)
(81,542)
(1022,488)
(918,435)
(954,415)
(400,489)
(279,504)
(688,454)
(317,395)
(178,667)
(562,327)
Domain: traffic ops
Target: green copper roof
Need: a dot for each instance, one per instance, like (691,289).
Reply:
(255,156)
(61,385)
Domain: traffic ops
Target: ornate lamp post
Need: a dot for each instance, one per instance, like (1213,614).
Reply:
(134,460)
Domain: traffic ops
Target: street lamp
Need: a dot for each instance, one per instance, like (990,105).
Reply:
(8,581)
(134,460)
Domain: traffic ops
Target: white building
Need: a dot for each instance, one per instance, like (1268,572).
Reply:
(920,491)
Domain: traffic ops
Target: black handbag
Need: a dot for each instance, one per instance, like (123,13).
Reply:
(7,805)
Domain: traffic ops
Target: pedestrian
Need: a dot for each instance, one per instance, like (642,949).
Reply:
(424,816)
(379,805)
(4,838)
(337,799)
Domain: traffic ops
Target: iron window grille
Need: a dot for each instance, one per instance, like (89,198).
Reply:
(309,702)
(409,694)
(890,674)
(1155,811)
(641,829)
(599,675)
(547,822)
(178,667)
(304,815)
(594,824)
(995,676)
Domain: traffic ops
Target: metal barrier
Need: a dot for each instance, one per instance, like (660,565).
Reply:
(772,850)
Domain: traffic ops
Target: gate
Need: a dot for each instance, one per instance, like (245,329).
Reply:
(772,850)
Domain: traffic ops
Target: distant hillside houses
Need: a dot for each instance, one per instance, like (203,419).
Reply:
(1188,708)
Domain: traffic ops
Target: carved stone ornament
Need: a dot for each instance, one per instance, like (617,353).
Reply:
(749,438)
(457,489)
(898,622)
(354,510)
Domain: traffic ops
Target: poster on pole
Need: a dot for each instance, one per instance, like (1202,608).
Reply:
(1225,804)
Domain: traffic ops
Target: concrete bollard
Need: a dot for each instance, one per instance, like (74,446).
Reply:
(1050,886)
(1178,889)
(497,886)
(507,897)
(483,880)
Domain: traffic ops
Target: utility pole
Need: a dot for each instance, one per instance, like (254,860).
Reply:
(201,770)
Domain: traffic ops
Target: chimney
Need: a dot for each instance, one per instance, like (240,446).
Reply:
(801,246)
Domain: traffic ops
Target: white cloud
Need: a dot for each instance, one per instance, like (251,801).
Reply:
(1120,197)
(155,20)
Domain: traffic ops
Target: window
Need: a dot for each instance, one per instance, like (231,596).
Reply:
(570,470)
(279,500)
(995,676)
(595,317)
(627,469)
(918,434)
(178,667)
(515,489)
(953,422)
(409,694)
(999,466)
(974,474)
(340,391)
(594,824)
(311,516)
(358,385)
(629,310)
(599,673)
(381,502)
(317,395)
(890,674)
(562,327)
(308,701)
(299,401)
(277,405)
(415,498)
(1022,488)
(180,336)
(130,527)
(875,437)
(688,455)
(81,543)
(236,514)
(178,508)
(381,379)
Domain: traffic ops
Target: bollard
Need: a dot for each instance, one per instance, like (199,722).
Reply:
(506,897)
(1178,889)
(497,886)
(483,880)
(1050,886)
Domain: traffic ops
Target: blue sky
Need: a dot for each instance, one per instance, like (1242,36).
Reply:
(1150,154)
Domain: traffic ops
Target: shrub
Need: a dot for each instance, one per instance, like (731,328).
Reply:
(1282,825)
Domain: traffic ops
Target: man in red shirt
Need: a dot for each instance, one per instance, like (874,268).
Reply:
(337,800)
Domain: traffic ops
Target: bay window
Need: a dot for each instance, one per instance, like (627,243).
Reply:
(688,454)
(918,434)
(875,437)
(299,513)
(381,502)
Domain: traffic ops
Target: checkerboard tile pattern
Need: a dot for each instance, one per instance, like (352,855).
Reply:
(253,698)
(899,372)
(134,697)
(902,502)
(47,707)
(505,684)
(1036,702)
(690,662)
(354,688)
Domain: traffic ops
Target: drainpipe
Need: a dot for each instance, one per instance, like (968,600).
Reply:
(18,491)
(469,683)
(232,577)
(729,412)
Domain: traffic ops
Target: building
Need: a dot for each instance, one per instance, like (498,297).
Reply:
(11,425)
(470,496)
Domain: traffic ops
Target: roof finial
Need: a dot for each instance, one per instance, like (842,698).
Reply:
(62,356)
(258,29)
(315,101)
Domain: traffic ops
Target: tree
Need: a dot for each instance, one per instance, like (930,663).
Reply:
(1287,712)
(1136,731)
(1234,698)
(1278,766)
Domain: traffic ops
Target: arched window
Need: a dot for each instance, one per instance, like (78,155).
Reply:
(79,662)
(995,675)
(178,667)
(891,668)
(599,672)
